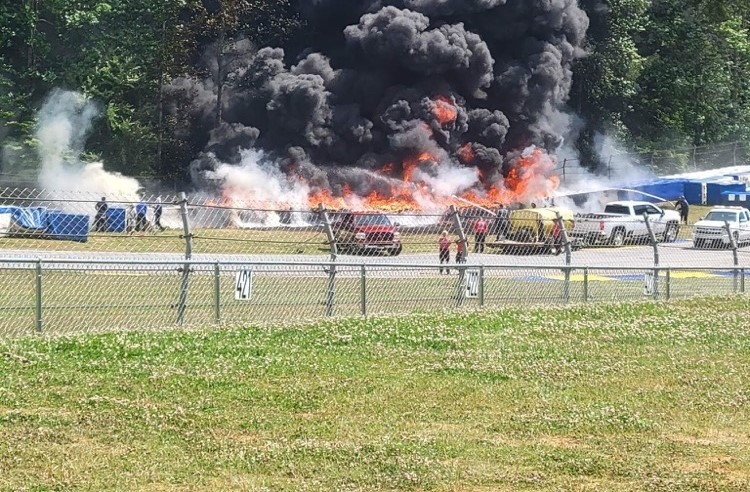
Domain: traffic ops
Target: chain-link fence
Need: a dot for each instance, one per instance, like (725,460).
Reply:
(74,296)
(620,164)
(40,224)
(95,262)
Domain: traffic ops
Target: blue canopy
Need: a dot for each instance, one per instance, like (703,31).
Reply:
(28,219)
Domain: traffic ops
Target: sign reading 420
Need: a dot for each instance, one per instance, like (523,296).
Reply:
(243,285)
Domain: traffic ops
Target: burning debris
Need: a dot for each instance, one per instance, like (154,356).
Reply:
(400,104)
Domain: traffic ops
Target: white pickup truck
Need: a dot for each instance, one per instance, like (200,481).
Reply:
(711,230)
(624,221)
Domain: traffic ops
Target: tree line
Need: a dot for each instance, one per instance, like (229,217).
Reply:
(657,73)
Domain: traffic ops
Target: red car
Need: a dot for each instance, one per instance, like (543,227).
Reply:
(366,233)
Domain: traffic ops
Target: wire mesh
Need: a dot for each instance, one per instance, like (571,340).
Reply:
(66,297)
(37,222)
(139,262)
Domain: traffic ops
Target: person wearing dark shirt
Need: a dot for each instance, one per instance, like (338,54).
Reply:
(503,222)
(157,216)
(100,218)
(444,249)
(141,209)
(684,207)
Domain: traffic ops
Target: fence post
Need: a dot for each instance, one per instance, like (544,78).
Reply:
(655,244)
(733,245)
(458,225)
(585,284)
(668,287)
(481,285)
(38,283)
(217,292)
(331,287)
(742,280)
(363,289)
(568,256)
(185,284)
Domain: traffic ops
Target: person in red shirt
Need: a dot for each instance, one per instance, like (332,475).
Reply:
(460,252)
(480,234)
(557,238)
(444,245)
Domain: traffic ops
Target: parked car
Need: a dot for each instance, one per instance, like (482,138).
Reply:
(366,233)
(711,230)
(624,221)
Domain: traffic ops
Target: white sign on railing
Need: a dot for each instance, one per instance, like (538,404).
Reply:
(472,283)
(648,284)
(243,285)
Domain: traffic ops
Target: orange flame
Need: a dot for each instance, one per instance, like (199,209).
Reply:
(445,110)
(530,178)
(466,153)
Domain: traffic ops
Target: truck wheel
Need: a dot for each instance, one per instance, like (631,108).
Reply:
(396,251)
(670,235)
(618,238)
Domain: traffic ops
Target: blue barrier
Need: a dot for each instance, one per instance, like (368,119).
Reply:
(67,227)
(115,220)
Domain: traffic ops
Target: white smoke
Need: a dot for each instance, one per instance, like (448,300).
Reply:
(449,179)
(619,170)
(256,180)
(258,183)
(63,124)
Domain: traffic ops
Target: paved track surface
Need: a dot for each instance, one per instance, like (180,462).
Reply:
(679,254)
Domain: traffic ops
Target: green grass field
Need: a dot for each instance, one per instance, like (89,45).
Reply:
(602,397)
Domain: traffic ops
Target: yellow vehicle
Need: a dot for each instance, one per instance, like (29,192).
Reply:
(537,225)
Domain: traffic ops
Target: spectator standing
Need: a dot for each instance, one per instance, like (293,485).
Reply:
(684,207)
(100,218)
(503,222)
(141,209)
(130,219)
(480,234)
(158,210)
(444,245)
(460,252)
(557,238)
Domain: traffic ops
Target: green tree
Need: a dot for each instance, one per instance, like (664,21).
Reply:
(606,79)
(694,85)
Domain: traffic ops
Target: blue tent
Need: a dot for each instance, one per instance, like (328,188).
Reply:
(45,223)
(735,198)
(665,189)
(715,192)
(27,221)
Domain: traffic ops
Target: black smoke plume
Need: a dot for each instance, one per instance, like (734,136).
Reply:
(388,79)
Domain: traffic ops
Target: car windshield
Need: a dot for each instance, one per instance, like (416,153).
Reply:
(372,219)
(617,209)
(722,216)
